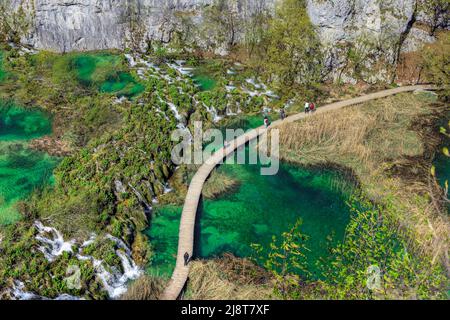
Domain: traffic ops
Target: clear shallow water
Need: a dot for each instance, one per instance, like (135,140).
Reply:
(21,124)
(204,82)
(245,122)
(262,207)
(204,77)
(21,169)
(99,70)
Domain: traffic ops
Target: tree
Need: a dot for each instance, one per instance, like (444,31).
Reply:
(286,260)
(221,23)
(436,63)
(376,260)
(14,23)
(255,27)
(438,11)
(293,50)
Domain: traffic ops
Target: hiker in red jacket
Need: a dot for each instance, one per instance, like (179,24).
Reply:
(312,107)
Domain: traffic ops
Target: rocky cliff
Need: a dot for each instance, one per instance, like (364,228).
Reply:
(67,25)
(371,34)
(377,30)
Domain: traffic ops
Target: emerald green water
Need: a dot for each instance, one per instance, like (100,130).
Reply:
(20,124)
(100,70)
(205,82)
(245,122)
(21,169)
(262,207)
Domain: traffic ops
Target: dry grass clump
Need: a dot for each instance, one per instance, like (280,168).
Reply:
(144,288)
(389,144)
(365,134)
(219,184)
(228,278)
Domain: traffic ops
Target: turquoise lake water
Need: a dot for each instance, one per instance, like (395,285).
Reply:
(22,170)
(262,207)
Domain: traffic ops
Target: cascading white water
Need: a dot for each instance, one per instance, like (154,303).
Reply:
(53,246)
(113,279)
(18,293)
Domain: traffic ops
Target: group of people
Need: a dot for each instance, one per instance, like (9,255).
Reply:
(310,107)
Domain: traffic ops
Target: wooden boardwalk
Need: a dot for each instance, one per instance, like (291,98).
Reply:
(188,217)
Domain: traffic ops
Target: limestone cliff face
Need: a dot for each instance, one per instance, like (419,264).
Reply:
(67,25)
(380,30)
(377,31)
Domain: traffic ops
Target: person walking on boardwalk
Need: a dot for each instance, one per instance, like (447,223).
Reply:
(266,122)
(306,107)
(282,114)
(187,259)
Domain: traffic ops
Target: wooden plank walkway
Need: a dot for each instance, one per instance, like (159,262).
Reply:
(188,216)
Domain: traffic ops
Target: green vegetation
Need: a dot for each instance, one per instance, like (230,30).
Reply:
(286,260)
(14,23)
(436,61)
(21,261)
(292,53)
(374,238)
(2,72)
(373,262)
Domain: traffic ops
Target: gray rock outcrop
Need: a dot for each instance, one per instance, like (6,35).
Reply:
(374,31)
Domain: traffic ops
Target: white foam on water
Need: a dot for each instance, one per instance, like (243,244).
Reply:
(113,280)
(18,293)
(131,61)
(53,244)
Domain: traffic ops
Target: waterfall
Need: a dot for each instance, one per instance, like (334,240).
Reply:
(114,280)
(18,293)
(53,246)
